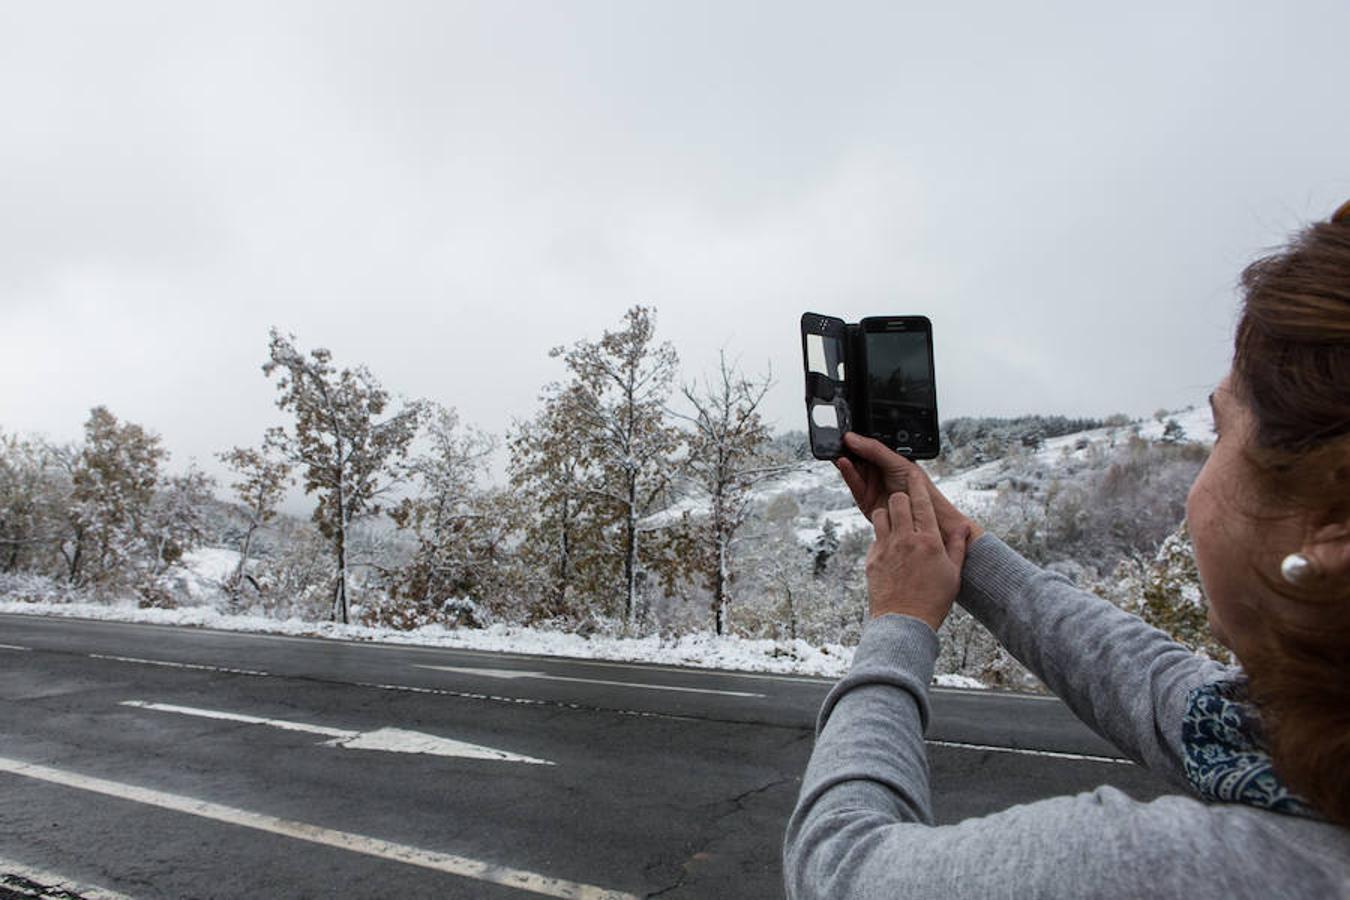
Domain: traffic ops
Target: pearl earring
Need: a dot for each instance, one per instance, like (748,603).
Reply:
(1297,569)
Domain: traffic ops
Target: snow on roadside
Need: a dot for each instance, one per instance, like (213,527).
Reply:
(703,651)
(696,650)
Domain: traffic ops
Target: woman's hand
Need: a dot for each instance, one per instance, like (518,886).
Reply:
(876,472)
(910,569)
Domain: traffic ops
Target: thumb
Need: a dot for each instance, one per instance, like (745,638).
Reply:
(957,544)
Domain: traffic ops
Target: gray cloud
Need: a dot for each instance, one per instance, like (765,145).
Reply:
(444,191)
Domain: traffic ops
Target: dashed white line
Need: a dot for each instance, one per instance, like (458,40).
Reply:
(1051,753)
(821,680)
(52,882)
(177,665)
(522,701)
(544,676)
(14,647)
(462,866)
(412,689)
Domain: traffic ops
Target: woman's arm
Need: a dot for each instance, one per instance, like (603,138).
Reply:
(863,824)
(1125,679)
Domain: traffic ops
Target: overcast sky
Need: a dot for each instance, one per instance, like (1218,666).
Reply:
(443,191)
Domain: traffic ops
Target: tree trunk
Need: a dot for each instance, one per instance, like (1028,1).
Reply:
(340,592)
(720,577)
(238,578)
(340,596)
(630,556)
(73,560)
(564,556)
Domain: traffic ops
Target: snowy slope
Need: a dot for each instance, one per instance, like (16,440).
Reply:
(973,490)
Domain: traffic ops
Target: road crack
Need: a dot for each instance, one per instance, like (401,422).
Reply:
(710,835)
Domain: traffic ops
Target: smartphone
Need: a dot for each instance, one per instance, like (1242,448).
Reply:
(900,394)
(876,378)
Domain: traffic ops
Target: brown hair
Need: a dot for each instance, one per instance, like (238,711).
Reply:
(1291,368)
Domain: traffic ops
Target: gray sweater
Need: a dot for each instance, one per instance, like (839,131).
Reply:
(863,826)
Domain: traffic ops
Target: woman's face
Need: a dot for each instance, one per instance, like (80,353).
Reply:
(1222,513)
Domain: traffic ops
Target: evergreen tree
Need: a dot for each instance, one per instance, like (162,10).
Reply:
(349,456)
(824,547)
(1173,433)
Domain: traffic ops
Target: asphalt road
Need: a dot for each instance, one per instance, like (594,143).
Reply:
(151,761)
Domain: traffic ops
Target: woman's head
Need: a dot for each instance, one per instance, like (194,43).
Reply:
(1278,482)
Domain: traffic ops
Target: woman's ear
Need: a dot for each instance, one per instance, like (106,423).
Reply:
(1328,547)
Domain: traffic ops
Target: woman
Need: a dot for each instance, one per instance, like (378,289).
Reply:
(1262,749)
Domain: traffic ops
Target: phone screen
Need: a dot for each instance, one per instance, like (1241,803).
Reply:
(901,395)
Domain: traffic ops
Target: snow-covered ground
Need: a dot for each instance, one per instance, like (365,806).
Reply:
(695,650)
(816,483)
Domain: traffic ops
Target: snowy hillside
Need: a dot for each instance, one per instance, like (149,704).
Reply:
(972,490)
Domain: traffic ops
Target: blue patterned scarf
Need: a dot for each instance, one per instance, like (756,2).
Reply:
(1226,753)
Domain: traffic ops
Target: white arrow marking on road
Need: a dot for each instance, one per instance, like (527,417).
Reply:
(513,673)
(392,740)
(13,647)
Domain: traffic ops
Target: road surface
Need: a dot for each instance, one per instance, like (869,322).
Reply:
(152,761)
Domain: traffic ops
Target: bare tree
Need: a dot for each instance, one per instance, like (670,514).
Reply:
(114,478)
(348,455)
(617,403)
(454,534)
(725,443)
(175,523)
(551,470)
(34,496)
(261,486)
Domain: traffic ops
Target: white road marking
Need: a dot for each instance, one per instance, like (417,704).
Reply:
(523,701)
(13,647)
(177,665)
(516,673)
(462,866)
(391,740)
(1051,753)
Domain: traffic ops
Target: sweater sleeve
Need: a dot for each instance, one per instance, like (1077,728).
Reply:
(1126,680)
(862,827)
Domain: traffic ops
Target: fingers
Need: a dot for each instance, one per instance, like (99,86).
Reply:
(921,501)
(876,452)
(881,523)
(902,516)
